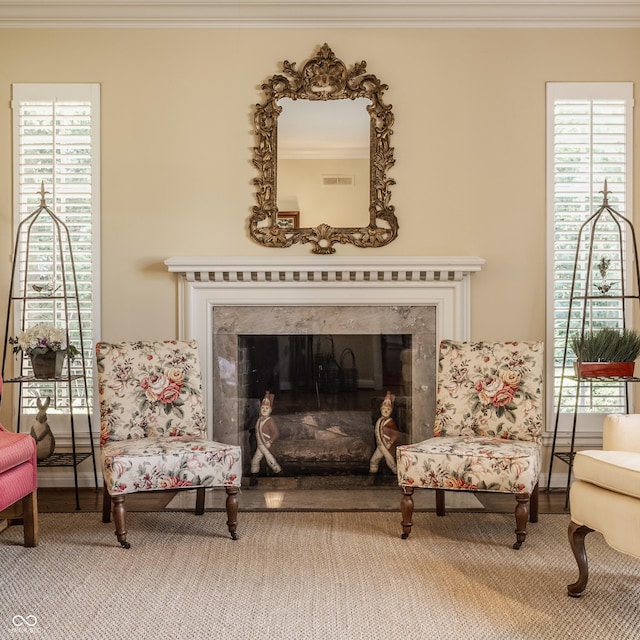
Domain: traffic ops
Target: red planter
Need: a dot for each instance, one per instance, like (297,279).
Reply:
(604,369)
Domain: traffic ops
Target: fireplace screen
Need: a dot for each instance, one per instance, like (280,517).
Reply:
(324,395)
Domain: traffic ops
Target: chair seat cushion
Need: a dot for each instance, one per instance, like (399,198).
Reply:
(15,449)
(470,463)
(617,471)
(160,463)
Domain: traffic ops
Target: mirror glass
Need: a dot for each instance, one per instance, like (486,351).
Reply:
(323,152)
(323,160)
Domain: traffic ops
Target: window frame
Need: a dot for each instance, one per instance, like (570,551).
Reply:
(589,431)
(65,92)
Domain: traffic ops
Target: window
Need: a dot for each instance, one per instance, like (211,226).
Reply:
(56,129)
(589,140)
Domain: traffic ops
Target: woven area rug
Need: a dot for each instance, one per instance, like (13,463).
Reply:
(312,575)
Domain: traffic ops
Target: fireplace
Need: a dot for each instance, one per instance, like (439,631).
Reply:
(328,338)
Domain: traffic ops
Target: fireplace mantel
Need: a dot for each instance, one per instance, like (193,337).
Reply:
(206,283)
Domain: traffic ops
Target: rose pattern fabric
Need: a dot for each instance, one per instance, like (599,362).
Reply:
(151,464)
(152,420)
(472,464)
(149,389)
(490,389)
(488,424)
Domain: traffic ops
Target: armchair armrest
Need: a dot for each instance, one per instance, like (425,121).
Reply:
(621,432)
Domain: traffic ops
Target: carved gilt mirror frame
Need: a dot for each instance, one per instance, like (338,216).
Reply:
(323,77)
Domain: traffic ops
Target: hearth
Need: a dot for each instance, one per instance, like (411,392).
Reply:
(328,338)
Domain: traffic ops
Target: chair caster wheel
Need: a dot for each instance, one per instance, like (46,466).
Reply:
(125,545)
(234,535)
(404,536)
(517,545)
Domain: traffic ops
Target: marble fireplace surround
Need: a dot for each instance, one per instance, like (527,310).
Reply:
(220,298)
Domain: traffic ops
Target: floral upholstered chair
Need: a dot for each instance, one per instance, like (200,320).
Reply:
(152,428)
(487,431)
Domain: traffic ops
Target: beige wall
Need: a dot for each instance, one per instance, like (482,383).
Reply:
(177,136)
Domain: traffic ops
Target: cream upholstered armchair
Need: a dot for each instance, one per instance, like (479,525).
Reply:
(152,428)
(487,429)
(605,495)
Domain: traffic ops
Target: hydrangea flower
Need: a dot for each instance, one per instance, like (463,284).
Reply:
(40,339)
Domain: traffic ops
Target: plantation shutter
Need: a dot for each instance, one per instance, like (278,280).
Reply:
(56,142)
(589,140)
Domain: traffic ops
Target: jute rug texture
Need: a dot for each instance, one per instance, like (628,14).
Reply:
(311,576)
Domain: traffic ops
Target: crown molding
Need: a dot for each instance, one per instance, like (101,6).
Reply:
(319,14)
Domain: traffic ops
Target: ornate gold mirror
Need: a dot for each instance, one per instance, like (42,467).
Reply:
(323,152)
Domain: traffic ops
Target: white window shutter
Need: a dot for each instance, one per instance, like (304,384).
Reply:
(56,142)
(589,140)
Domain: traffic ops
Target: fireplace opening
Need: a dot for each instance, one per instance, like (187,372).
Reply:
(329,369)
(325,394)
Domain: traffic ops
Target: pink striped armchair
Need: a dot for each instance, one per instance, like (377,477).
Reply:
(19,478)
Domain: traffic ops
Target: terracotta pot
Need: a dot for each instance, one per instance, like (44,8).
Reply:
(604,369)
(48,365)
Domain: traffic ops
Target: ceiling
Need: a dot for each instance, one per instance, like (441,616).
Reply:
(297,14)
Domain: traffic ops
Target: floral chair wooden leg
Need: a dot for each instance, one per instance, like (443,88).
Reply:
(406,508)
(232,511)
(119,517)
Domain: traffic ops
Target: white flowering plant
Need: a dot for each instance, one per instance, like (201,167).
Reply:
(42,338)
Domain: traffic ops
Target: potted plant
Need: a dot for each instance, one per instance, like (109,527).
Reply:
(47,347)
(606,352)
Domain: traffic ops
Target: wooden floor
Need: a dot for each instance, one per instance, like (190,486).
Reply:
(63,501)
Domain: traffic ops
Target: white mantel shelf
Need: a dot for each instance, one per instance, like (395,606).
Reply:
(307,270)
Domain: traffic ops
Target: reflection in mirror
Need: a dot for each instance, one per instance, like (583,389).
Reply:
(323,160)
(345,198)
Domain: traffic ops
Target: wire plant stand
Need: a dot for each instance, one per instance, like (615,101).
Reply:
(57,300)
(581,306)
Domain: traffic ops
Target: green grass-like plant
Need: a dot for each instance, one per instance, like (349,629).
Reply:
(607,345)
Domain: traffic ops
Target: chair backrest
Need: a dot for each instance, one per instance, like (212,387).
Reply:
(492,389)
(149,389)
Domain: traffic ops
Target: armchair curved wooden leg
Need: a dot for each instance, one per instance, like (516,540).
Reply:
(522,515)
(534,502)
(30,519)
(200,495)
(232,511)
(106,505)
(406,508)
(119,520)
(577,535)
